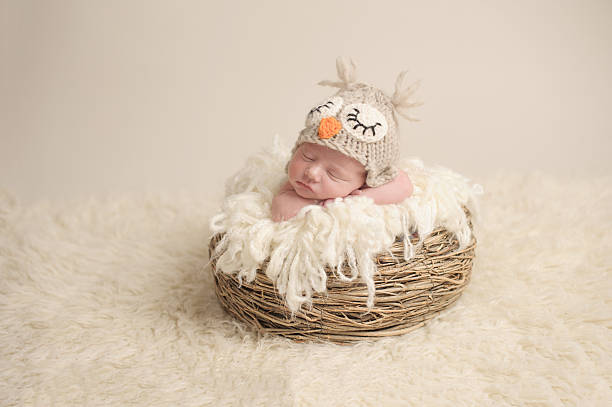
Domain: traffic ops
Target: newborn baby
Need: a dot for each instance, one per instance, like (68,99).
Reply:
(349,146)
(318,175)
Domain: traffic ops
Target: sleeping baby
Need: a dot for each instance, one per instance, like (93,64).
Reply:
(349,146)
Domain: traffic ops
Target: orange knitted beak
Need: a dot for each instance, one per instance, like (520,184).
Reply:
(329,127)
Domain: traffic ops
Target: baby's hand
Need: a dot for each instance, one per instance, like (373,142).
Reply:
(326,202)
(287,203)
(394,191)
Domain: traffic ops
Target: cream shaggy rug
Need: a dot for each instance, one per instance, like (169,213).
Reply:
(104,302)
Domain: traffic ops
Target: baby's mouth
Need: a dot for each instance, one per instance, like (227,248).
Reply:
(300,183)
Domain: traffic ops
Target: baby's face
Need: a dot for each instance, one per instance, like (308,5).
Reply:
(318,172)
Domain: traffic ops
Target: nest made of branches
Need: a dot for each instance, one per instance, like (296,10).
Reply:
(408,294)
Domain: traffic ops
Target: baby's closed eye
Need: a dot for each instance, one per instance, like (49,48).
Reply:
(307,157)
(334,176)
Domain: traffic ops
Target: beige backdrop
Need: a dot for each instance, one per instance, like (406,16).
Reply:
(115,96)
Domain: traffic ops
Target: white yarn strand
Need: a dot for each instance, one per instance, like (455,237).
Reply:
(408,246)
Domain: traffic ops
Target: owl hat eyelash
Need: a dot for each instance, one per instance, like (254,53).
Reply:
(318,108)
(352,117)
(360,121)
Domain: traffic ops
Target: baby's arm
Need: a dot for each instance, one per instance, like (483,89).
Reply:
(394,191)
(287,203)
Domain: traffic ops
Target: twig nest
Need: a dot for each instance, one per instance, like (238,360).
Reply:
(350,271)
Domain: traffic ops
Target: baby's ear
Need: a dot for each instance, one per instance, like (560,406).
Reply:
(377,177)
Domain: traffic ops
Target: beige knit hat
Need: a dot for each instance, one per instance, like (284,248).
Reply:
(360,121)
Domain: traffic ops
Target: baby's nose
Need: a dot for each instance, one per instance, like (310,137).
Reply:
(313,173)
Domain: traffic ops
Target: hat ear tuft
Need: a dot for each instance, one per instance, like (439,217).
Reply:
(347,72)
(402,95)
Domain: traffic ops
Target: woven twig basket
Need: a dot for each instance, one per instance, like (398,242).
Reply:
(408,293)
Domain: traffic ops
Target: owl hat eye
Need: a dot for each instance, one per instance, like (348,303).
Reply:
(364,122)
(331,107)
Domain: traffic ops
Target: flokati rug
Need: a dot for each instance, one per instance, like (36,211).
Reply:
(352,230)
(104,302)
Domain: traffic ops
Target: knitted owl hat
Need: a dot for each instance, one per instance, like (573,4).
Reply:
(360,121)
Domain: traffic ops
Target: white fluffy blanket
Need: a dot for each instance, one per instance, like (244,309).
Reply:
(103,302)
(352,230)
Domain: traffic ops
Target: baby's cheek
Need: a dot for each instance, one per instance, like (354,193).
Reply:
(338,189)
(293,168)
